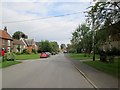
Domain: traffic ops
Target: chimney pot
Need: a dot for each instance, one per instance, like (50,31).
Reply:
(5,28)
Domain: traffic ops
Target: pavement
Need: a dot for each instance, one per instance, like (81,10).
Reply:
(98,78)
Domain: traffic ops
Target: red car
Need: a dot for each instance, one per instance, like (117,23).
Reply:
(43,55)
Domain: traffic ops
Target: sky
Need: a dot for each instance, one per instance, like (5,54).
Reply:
(53,29)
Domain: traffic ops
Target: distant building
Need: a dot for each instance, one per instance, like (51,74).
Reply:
(5,40)
(29,44)
(18,45)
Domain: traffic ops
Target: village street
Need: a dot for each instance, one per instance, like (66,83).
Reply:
(54,72)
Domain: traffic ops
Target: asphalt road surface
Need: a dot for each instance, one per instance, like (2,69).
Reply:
(54,72)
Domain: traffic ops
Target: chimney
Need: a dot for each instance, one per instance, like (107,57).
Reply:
(5,28)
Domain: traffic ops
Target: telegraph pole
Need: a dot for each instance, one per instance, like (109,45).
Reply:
(93,20)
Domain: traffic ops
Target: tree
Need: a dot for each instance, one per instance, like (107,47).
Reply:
(55,46)
(18,35)
(102,16)
(82,38)
(105,15)
(45,46)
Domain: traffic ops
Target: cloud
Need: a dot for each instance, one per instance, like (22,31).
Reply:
(53,29)
(47,0)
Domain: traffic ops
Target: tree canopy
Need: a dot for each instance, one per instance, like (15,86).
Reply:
(46,46)
(18,35)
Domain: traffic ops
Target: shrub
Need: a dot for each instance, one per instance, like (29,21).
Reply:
(9,56)
(113,51)
(18,53)
(72,51)
(25,51)
(34,51)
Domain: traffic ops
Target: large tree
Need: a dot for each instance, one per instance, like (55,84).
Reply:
(105,16)
(45,46)
(82,38)
(18,35)
(54,46)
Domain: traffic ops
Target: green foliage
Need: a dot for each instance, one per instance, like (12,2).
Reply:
(72,51)
(34,51)
(8,63)
(25,51)
(105,15)
(54,46)
(82,39)
(17,53)
(110,68)
(46,46)
(19,34)
(81,56)
(113,51)
(27,56)
(9,56)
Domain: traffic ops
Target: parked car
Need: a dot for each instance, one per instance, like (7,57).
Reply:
(44,55)
(53,53)
(48,53)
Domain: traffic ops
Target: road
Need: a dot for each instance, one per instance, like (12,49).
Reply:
(54,72)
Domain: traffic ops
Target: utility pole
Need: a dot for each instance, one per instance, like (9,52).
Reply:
(93,29)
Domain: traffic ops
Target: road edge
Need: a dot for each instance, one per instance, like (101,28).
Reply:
(95,87)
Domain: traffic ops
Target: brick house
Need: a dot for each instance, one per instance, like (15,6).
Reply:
(5,40)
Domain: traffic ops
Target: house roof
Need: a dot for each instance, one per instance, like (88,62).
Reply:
(29,41)
(5,35)
(18,42)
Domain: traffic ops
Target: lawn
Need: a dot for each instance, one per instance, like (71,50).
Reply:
(27,56)
(81,56)
(110,68)
(8,63)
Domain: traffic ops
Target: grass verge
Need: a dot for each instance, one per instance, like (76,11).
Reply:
(8,63)
(81,56)
(110,68)
(27,56)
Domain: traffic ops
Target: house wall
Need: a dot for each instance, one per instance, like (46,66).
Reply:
(115,44)
(16,46)
(29,49)
(6,44)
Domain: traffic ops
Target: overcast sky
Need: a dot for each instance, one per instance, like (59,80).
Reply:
(54,29)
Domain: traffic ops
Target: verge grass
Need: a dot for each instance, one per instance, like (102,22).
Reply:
(82,56)
(8,63)
(110,68)
(27,56)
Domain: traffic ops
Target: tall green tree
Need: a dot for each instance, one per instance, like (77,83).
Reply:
(81,38)
(18,35)
(45,46)
(55,46)
(105,16)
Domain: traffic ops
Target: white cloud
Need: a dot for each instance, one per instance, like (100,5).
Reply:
(54,29)
(47,0)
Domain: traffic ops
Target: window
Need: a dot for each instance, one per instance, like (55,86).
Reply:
(8,42)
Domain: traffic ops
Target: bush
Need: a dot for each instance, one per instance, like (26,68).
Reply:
(25,51)
(113,51)
(34,51)
(72,51)
(18,53)
(9,56)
